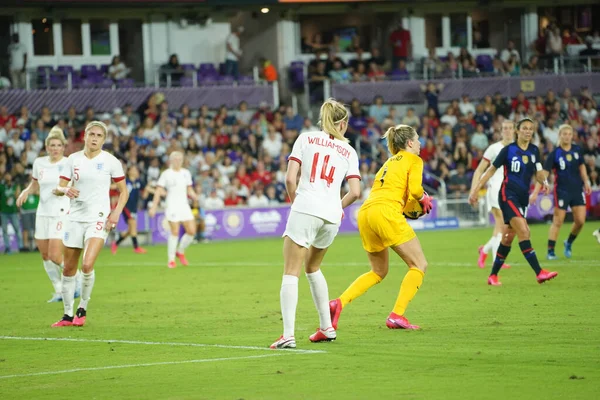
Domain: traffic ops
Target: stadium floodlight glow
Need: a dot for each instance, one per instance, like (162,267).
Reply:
(264,10)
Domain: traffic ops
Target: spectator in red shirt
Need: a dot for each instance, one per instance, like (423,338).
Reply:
(6,117)
(520,99)
(222,138)
(401,44)
(428,152)
(261,174)
(244,178)
(232,199)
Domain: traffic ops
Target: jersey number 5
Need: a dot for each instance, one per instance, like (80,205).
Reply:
(328,177)
(76,173)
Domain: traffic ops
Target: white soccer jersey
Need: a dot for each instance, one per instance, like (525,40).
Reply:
(176,184)
(490,155)
(325,162)
(92,177)
(47,175)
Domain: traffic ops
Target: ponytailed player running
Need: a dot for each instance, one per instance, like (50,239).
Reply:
(521,161)
(135,187)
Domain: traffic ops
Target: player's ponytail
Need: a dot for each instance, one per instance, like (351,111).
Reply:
(332,114)
(56,133)
(398,137)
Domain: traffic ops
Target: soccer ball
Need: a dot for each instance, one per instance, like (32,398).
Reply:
(413,209)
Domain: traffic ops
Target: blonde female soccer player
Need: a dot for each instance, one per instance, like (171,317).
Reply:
(521,161)
(89,221)
(493,190)
(382,225)
(51,209)
(176,184)
(571,185)
(323,159)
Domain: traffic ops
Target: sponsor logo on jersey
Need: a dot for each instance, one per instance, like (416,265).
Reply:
(60,168)
(576,155)
(99,166)
(532,159)
(569,157)
(561,203)
(525,159)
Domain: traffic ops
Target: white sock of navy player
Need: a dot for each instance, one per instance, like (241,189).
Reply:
(172,247)
(289,301)
(53,271)
(320,295)
(185,241)
(87,284)
(68,294)
(497,240)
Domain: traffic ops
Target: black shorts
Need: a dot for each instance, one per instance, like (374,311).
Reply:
(128,214)
(513,208)
(564,200)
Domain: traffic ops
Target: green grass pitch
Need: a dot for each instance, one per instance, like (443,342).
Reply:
(202,331)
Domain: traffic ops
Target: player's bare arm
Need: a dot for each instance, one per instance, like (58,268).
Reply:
(63,190)
(158,193)
(483,165)
(192,193)
(474,195)
(353,194)
(586,181)
(113,218)
(291,179)
(33,187)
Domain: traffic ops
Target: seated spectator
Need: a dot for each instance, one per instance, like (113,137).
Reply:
(589,114)
(232,199)
(465,106)
(316,79)
(479,140)
(378,111)
(258,198)
(513,67)
(570,36)
(468,69)
(461,153)
(360,73)
(272,144)
(589,51)
(172,69)
(449,118)
(451,64)
(498,67)
(428,151)
(317,43)
(392,119)
(377,58)
(400,72)
(272,196)
(292,121)
(375,72)
(531,68)
(117,69)
(6,117)
(213,202)
(243,115)
(411,119)
(463,56)
(308,126)
(355,44)
(434,64)
(485,118)
(509,51)
(354,63)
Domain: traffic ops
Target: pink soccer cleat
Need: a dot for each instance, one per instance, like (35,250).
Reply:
(335,308)
(113,247)
(284,343)
(505,266)
(172,264)
(65,321)
(482,258)
(139,250)
(323,335)
(544,276)
(395,321)
(182,259)
(79,319)
(493,280)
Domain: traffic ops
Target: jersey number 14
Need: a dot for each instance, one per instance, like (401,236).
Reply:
(326,176)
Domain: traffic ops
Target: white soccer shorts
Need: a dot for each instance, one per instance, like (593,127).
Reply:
(307,230)
(180,214)
(48,227)
(492,197)
(76,234)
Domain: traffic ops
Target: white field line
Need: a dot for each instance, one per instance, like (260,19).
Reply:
(203,360)
(111,341)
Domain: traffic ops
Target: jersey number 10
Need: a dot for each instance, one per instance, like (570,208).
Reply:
(328,177)
(515,166)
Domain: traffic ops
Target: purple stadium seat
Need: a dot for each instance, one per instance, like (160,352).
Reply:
(485,63)
(58,81)
(86,84)
(186,81)
(207,81)
(246,81)
(104,69)
(222,69)
(65,69)
(188,67)
(126,83)
(89,70)
(41,70)
(207,69)
(105,83)
(397,75)
(226,80)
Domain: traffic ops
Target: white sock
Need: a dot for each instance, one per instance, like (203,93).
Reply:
(289,300)
(172,246)
(320,295)
(53,271)
(78,281)
(68,293)
(87,284)
(489,246)
(497,240)
(186,240)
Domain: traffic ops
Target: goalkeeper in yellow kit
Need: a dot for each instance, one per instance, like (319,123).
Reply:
(381,224)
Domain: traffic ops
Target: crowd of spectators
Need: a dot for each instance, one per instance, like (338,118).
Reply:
(239,157)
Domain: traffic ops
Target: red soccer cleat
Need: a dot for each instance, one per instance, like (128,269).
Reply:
(493,280)
(395,321)
(182,259)
(139,250)
(65,321)
(284,343)
(172,264)
(505,266)
(79,319)
(335,309)
(321,335)
(546,276)
(482,258)
(113,247)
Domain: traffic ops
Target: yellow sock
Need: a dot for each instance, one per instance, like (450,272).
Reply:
(359,287)
(410,285)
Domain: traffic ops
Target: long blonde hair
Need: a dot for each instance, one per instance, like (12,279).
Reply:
(560,129)
(56,133)
(398,136)
(331,115)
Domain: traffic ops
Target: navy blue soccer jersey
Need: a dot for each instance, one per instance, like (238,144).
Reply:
(519,167)
(565,165)
(134,188)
